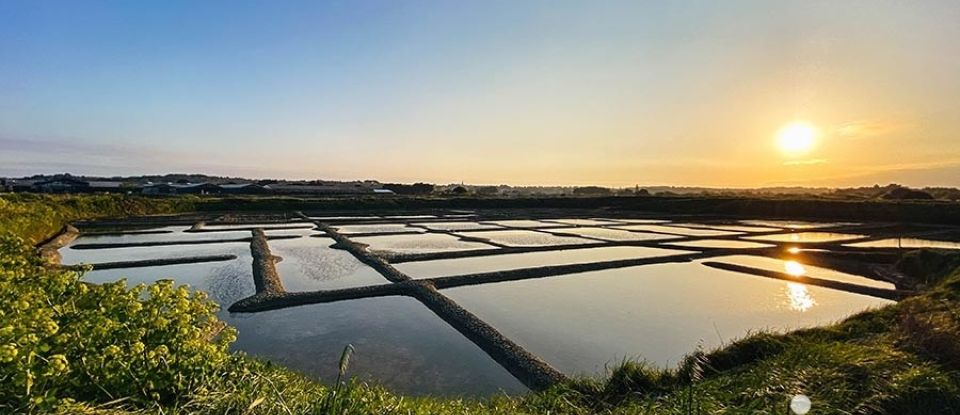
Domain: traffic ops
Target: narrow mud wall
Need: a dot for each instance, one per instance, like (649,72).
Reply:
(49,250)
(278,301)
(888,294)
(163,261)
(175,242)
(265,276)
(525,366)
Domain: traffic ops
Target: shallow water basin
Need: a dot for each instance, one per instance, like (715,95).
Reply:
(398,342)
(419,243)
(310,264)
(721,244)
(460,266)
(676,230)
(527,238)
(581,323)
(909,243)
(610,234)
(799,268)
(807,237)
(377,228)
(94,256)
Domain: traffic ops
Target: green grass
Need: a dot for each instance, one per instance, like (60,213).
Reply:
(901,359)
(37,216)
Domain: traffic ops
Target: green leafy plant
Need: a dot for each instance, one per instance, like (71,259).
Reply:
(61,338)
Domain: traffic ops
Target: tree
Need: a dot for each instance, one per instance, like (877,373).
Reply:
(409,189)
(591,191)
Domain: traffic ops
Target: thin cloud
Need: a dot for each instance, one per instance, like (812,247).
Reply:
(887,172)
(870,128)
(804,162)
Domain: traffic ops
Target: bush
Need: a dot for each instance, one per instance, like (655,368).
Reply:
(61,338)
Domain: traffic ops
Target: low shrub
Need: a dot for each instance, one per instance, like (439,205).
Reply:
(62,339)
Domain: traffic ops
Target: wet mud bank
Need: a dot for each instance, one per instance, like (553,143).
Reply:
(895,295)
(265,276)
(156,262)
(49,250)
(525,366)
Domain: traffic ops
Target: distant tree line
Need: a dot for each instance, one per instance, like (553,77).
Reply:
(409,189)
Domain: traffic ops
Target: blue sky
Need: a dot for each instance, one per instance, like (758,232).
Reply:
(528,92)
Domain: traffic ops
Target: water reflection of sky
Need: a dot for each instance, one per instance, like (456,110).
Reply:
(907,243)
(418,243)
(579,323)
(807,237)
(799,296)
(796,268)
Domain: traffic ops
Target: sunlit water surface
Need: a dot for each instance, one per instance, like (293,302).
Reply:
(460,266)
(798,268)
(578,323)
(808,237)
(398,342)
(528,238)
(310,264)
(721,243)
(610,234)
(677,230)
(377,228)
(419,243)
(582,323)
(910,243)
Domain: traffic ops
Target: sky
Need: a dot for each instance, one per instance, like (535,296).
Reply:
(612,93)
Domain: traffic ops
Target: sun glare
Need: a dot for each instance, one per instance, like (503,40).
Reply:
(794,268)
(797,138)
(799,296)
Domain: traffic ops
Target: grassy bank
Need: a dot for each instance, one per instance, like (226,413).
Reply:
(36,216)
(56,333)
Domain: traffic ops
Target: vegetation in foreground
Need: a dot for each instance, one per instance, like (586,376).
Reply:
(70,347)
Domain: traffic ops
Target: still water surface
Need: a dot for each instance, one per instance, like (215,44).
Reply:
(907,243)
(799,268)
(581,323)
(399,342)
(528,238)
(807,237)
(460,266)
(310,264)
(419,243)
(578,323)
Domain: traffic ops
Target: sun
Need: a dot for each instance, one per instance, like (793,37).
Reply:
(797,138)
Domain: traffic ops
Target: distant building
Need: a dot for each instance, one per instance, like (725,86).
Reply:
(106,186)
(181,189)
(71,185)
(202,188)
(198,189)
(242,188)
(320,189)
(22,185)
(158,189)
(63,185)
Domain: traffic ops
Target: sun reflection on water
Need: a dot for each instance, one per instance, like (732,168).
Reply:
(799,296)
(794,268)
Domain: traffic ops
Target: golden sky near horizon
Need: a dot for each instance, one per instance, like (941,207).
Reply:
(539,93)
